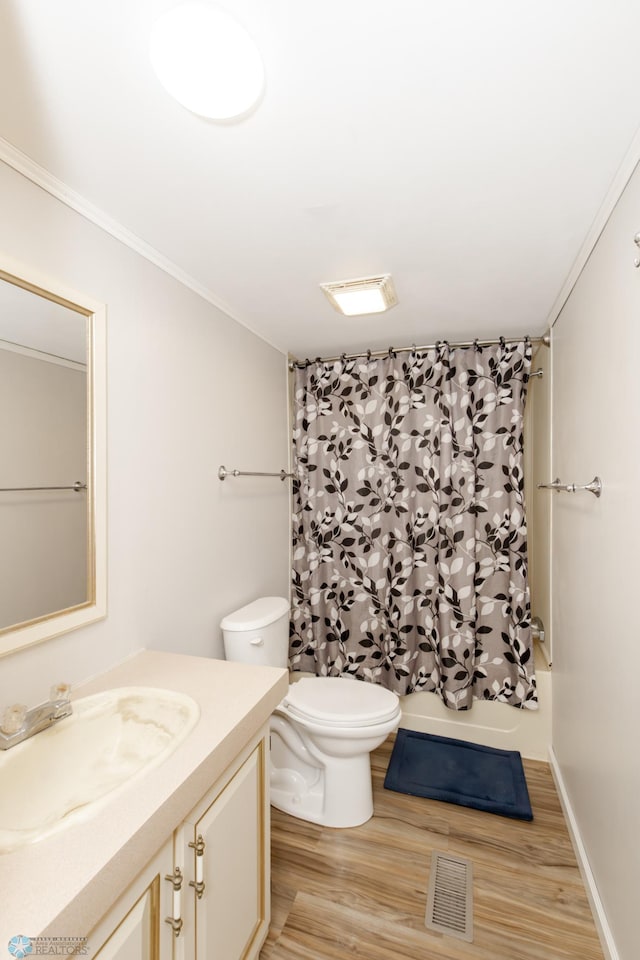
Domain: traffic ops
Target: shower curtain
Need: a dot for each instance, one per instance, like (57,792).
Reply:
(409,530)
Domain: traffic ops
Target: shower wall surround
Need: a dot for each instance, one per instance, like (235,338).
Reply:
(537,469)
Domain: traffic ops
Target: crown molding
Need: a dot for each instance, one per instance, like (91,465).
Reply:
(28,168)
(621,179)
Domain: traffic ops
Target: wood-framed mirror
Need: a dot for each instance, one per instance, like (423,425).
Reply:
(52,458)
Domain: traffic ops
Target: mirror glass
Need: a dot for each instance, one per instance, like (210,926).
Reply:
(52,460)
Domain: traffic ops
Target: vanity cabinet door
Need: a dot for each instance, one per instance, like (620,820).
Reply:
(229,846)
(134,929)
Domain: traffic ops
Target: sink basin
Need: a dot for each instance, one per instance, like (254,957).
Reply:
(70,770)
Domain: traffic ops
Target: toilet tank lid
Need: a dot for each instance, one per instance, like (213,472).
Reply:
(257,614)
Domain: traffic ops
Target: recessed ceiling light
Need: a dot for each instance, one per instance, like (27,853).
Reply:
(365,295)
(206,60)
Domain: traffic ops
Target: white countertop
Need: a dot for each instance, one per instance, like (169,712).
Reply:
(63,885)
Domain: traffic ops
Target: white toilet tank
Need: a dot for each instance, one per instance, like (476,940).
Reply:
(258,633)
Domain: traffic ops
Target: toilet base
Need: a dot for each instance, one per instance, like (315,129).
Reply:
(292,794)
(349,807)
(336,793)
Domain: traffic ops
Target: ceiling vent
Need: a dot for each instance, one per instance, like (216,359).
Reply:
(365,295)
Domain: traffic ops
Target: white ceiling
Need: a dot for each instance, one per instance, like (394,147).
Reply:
(463,146)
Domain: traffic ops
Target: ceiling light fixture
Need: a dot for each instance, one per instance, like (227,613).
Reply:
(206,60)
(355,298)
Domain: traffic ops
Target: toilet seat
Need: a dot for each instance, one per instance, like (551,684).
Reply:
(340,702)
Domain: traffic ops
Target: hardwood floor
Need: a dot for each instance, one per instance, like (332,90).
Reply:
(361,892)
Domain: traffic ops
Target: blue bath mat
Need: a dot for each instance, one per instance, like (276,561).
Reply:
(455,771)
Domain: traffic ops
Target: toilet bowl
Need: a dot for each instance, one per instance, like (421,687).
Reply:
(322,732)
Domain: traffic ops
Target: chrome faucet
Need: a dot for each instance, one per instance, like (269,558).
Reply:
(20,724)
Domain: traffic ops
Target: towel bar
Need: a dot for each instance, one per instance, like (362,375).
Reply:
(223,472)
(594,487)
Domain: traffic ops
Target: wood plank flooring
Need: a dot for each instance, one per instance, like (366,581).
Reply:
(361,892)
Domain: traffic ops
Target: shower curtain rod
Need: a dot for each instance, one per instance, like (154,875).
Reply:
(546,341)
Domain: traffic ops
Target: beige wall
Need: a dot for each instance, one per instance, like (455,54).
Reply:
(43,558)
(189,390)
(596,704)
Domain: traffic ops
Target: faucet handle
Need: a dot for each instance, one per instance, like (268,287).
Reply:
(13,719)
(60,691)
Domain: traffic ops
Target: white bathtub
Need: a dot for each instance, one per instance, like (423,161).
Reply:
(489,722)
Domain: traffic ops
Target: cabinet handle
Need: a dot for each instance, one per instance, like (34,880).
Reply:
(175,921)
(198,884)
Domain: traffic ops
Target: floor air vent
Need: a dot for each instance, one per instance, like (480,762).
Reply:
(450,897)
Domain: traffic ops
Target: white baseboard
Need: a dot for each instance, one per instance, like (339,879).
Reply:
(600,918)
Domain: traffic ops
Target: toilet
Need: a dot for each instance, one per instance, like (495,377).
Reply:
(324,730)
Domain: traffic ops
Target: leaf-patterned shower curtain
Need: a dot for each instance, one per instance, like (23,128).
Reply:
(409,530)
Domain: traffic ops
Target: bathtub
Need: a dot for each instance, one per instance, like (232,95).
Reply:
(489,722)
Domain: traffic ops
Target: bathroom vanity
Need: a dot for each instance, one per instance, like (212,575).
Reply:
(177,864)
